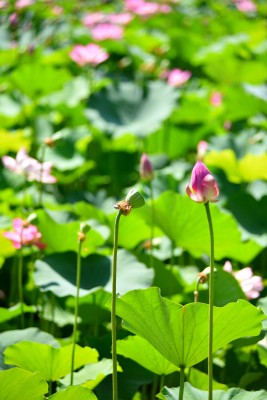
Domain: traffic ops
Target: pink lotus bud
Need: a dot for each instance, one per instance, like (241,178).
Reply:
(146,168)
(216,99)
(203,186)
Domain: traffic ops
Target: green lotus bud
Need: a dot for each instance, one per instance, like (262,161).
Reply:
(135,198)
(85,227)
(31,218)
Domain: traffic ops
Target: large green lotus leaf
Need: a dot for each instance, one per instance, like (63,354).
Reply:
(9,313)
(61,237)
(72,392)
(57,273)
(250,168)
(33,334)
(141,351)
(191,393)
(180,333)
(71,94)
(185,223)
(37,80)
(91,374)
(128,108)
(19,384)
(200,380)
(250,215)
(51,362)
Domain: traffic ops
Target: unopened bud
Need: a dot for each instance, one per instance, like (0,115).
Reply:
(31,218)
(135,198)
(51,140)
(146,168)
(85,227)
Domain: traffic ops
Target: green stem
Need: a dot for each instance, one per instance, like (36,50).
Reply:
(113,309)
(181,390)
(152,225)
(50,383)
(211,301)
(161,383)
(78,283)
(20,286)
(40,183)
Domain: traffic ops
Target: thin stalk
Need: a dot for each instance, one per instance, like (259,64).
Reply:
(40,183)
(211,301)
(172,255)
(181,391)
(78,284)
(113,309)
(152,225)
(20,286)
(196,291)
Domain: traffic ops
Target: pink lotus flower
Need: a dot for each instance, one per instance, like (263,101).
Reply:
(91,54)
(250,284)
(146,8)
(120,19)
(202,148)
(92,19)
(177,77)
(203,186)
(23,3)
(24,234)
(29,167)
(245,6)
(107,31)
(146,168)
(216,99)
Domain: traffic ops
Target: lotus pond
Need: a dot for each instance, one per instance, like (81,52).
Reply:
(133,212)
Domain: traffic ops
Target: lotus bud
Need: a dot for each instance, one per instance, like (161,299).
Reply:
(135,198)
(203,186)
(146,168)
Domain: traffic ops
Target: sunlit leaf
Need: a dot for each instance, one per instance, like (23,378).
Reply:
(185,223)
(19,384)
(71,393)
(191,393)
(52,363)
(180,333)
(141,351)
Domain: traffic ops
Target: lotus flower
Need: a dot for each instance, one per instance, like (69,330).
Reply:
(203,186)
(24,234)
(146,168)
(177,77)
(107,31)
(250,284)
(29,167)
(91,54)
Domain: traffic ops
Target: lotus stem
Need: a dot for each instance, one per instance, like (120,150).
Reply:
(113,309)
(181,390)
(211,301)
(78,283)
